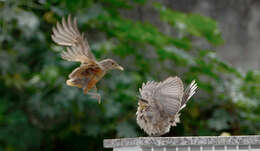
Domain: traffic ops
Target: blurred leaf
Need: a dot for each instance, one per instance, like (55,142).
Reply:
(194,24)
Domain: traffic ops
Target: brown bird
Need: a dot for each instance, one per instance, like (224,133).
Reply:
(160,103)
(90,71)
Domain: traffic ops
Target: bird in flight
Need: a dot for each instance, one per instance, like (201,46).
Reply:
(90,71)
(160,103)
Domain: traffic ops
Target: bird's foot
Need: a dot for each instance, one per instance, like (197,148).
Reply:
(95,95)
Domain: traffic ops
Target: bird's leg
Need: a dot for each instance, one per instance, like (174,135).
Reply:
(95,88)
(84,83)
(95,94)
(85,90)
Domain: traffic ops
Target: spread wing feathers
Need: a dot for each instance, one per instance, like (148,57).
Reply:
(74,54)
(189,92)
(66,33)
(147,90)
(168,95)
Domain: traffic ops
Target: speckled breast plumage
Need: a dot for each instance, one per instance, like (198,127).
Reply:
(154,122)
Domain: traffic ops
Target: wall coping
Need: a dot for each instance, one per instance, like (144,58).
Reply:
(182,141)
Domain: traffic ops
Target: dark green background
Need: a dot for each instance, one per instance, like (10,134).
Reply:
(38,111)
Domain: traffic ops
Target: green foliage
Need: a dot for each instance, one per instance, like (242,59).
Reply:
(39,112)
(193,24)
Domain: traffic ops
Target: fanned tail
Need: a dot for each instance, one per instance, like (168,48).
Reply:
(189,92)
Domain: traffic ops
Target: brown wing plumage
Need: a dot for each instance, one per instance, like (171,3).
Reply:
(67,34)
(86,76)
(86,69)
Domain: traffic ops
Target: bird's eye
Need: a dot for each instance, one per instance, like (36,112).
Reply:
(113,63)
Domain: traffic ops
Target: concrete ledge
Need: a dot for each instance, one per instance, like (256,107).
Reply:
(182,141)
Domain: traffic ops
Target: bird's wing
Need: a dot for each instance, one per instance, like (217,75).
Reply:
(86,70)
(168,95)
(67,34)
(147,90)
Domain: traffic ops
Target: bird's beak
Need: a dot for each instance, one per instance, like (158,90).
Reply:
(120,68)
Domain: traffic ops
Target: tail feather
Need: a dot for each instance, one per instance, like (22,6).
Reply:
(189,92)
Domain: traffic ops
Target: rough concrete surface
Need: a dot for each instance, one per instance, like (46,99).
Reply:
(182,141)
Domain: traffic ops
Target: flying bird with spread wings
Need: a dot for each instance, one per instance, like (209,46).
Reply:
(90,71)
(160,103)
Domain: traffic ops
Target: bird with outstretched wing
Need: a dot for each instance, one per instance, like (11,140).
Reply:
(90,71)
(160,103)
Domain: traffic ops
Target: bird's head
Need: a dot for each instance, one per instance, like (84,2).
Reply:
(109,64)
(143,103)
